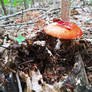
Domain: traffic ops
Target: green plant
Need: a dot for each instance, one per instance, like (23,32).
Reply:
(15,2)
(20,39)
(90,3)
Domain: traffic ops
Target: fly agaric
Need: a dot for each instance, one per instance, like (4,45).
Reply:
(63,30)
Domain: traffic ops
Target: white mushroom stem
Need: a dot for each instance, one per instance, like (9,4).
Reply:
(58,44)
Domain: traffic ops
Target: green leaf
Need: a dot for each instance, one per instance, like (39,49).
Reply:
(20,39)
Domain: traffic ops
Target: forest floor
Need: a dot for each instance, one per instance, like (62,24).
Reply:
(27,51)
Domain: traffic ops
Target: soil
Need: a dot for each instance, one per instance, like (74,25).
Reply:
(52,67)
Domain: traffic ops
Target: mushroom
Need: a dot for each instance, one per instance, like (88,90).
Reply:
(63,30)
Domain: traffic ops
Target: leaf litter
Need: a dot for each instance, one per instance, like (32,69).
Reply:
(37,56)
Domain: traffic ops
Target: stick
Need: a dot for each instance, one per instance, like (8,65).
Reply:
(19,83)
(31,21)
(20,12)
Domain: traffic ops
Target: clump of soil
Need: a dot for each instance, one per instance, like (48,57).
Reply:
(52,67)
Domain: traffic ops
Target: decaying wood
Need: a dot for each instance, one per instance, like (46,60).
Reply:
(78,73)
(34,82)
(65,10)
(27,80)
(81,66)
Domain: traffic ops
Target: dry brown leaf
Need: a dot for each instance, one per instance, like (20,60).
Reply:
(74,12)
(35,14)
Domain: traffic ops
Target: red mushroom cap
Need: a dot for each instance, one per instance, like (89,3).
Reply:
(63,30)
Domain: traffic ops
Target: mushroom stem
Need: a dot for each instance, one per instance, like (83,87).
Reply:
(65,43)
(58,44)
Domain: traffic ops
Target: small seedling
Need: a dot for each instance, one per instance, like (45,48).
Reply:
(20,39)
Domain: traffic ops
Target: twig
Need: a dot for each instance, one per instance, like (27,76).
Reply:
(8,68)
(31,21)
(21,21)
(19,83)
(20,12)
(4,47)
